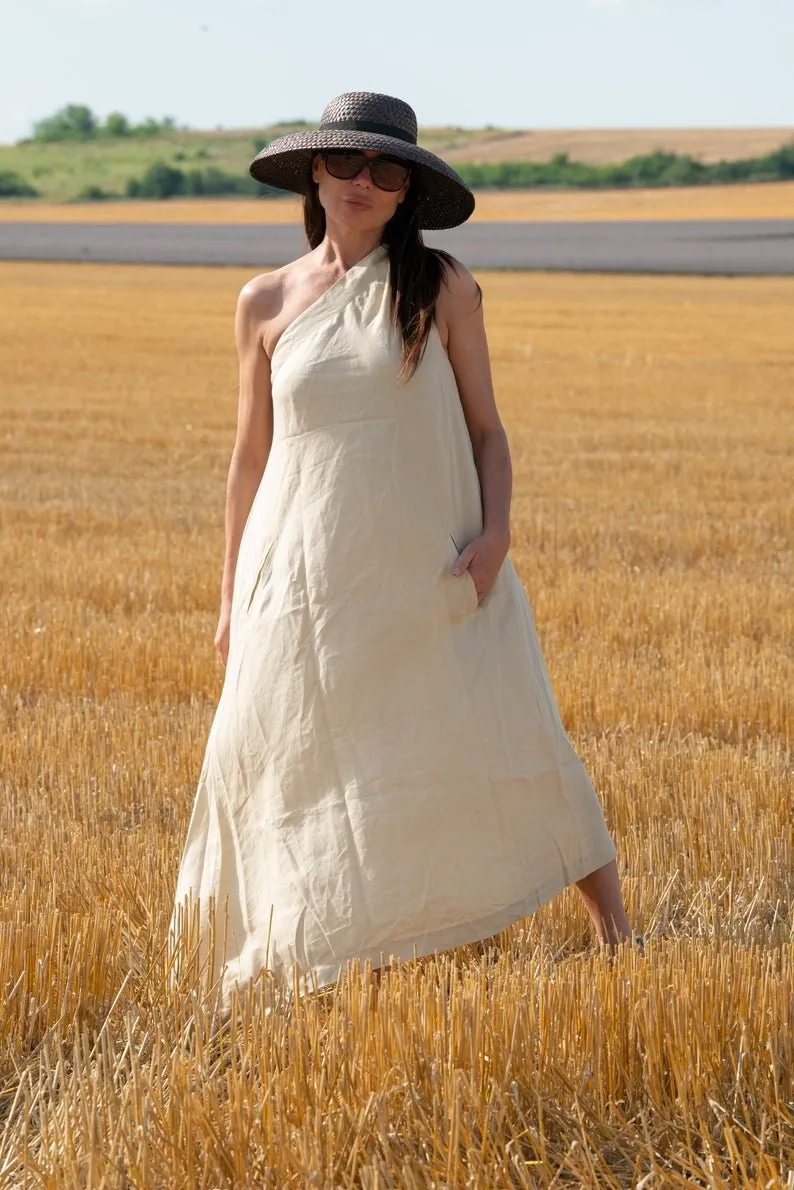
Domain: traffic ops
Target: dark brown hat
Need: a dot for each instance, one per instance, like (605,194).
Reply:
(369,120)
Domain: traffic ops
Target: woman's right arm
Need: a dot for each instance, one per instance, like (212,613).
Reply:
(254,433)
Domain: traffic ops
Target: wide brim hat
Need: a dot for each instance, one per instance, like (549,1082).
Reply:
(369,120)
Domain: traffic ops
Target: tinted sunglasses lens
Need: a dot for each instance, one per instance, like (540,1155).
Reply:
(386,174)
(389,175)
(344,165)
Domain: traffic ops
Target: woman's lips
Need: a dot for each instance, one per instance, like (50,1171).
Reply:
(358,202)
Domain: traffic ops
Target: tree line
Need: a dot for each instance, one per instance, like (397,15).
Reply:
(163,179)
(646,169)
(76,122)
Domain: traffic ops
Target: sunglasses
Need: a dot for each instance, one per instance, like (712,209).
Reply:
(387,173)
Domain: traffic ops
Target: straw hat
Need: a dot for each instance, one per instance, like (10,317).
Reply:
(369,120)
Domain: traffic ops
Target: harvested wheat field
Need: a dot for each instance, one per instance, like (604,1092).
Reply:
(651,425)
(768,200)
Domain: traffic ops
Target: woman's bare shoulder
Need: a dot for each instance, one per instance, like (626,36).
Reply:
(458,295)
(262,299)
(260,293)
(458,281)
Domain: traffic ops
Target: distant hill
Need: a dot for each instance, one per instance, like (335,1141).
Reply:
(609,146)
(163,161)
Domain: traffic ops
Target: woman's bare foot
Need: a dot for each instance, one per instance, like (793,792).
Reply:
(600,891)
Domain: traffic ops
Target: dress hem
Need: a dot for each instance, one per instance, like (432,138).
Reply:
(461,934)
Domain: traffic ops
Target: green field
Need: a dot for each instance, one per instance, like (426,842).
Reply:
(60,169)
(215,163)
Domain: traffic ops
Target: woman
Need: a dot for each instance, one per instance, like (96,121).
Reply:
(386,773)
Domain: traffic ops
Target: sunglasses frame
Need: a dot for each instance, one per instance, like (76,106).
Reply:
(365,162)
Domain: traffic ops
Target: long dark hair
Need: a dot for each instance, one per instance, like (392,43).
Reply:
(415,269)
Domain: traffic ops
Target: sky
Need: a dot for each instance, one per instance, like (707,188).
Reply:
(512,63)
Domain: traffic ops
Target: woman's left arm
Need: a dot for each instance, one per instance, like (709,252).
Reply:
(459,315)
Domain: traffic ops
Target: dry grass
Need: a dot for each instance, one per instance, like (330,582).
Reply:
(650,424)
(768,200)
(602,146)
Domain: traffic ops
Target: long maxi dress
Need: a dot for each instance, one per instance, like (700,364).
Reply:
(386,774)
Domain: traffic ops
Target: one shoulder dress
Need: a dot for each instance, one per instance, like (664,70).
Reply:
(386,773)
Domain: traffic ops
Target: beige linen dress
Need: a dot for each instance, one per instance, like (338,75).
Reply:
(386,773)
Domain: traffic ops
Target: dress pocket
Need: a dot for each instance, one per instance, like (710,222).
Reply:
(459,589)
(259,573)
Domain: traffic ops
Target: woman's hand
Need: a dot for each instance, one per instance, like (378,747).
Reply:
(483,558)
(221,641)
